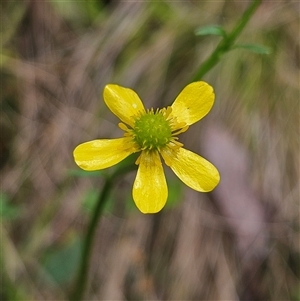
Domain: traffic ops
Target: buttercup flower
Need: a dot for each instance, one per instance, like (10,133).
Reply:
(153,133)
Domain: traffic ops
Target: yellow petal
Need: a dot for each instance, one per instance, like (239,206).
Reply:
(102,153)
(193,170)
(193,103)
(150,190)
(123,102)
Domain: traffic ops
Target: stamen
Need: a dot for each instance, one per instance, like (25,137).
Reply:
(167,112)
(184,129)
(137,162)
(124,127)
(175,144)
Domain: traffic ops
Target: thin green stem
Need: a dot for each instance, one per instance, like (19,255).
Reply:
(226,43)
(87,247)
(82,277)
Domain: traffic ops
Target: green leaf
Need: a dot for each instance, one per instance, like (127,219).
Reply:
(62,264)
(210,30)
(256,48)
(7,210)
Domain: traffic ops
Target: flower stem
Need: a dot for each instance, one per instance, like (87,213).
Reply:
(227,42)
(82,277)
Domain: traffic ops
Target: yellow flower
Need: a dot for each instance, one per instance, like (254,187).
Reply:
(153,133)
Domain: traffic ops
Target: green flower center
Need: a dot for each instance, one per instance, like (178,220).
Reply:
(152,130)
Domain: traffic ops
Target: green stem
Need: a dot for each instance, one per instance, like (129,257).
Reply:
(86,252)
(83,271)
(226,43)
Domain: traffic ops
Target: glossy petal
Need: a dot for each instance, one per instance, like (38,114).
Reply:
(193,170)
(150,190)
(123,102)
(102,153)
(193,103)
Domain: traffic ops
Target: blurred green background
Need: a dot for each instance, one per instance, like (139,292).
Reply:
(240,242)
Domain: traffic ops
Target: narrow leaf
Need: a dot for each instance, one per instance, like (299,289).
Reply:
(210,30)
(256,48)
